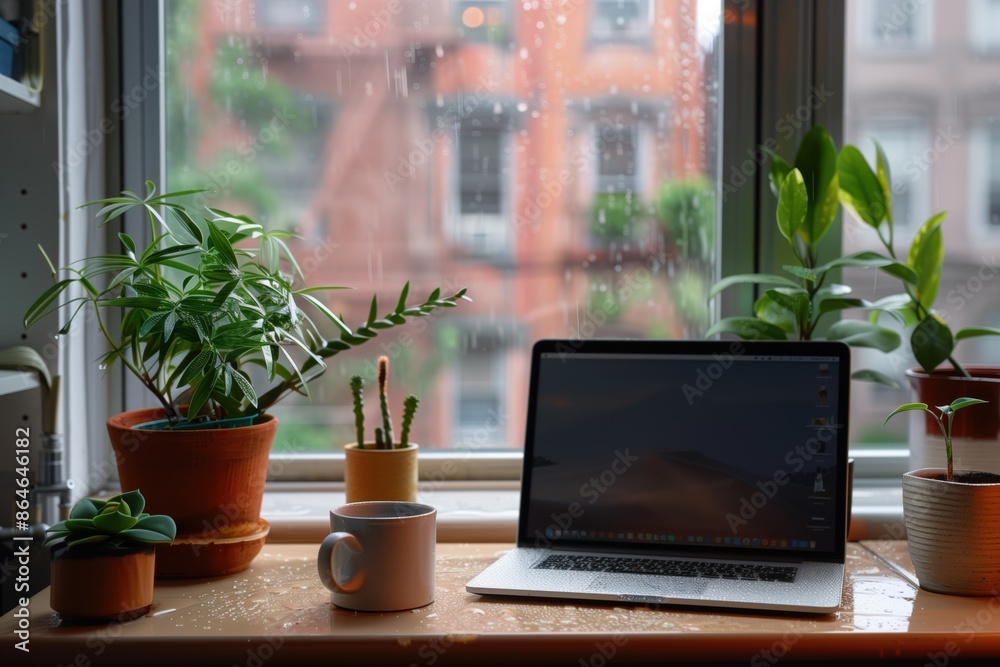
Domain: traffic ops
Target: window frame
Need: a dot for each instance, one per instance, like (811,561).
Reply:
(758,62)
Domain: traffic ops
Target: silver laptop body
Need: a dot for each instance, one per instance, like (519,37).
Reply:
(708,473)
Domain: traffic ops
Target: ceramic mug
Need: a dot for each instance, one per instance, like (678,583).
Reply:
(380,555)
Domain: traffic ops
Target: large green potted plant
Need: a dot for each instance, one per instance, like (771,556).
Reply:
(103,558)
(952,517)
(214,324)
(867,192)
(798,303)
(384,468)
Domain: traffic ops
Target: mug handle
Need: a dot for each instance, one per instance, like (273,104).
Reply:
(324,563)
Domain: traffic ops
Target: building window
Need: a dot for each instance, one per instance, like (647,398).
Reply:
(895,26)
(617,207)
(300,15)
(621,21)
(618,167)
(480,387)
(984,17)
(483,21)
(480,223)
(984,181)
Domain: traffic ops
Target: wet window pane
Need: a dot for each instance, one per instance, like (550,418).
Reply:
(933,107)
(537,156)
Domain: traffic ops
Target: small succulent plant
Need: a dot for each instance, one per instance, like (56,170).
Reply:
(383,433)
(116,522)
(944,419)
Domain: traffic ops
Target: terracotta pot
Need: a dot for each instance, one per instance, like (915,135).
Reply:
(206,480)
(209,555)
(976,430)
(380,474)
(953,532)
(93,583)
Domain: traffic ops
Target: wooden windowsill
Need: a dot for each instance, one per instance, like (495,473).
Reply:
(486,511)
(278,613)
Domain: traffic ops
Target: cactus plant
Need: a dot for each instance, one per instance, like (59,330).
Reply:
(409,409)
(357,386)
(383,399)
(383,433)
(116,522)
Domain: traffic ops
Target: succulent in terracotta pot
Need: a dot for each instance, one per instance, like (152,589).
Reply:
(103,558)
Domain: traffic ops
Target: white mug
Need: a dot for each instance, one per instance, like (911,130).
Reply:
(380,555)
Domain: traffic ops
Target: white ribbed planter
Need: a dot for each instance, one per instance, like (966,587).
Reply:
(953,530)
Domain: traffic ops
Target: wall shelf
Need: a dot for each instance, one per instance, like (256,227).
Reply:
(12,382)
(15,97)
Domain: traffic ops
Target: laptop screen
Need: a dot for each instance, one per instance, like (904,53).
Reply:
(680,446)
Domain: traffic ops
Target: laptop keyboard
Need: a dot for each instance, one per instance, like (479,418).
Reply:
(672,568)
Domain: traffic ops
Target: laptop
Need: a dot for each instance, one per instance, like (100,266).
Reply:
(709,473)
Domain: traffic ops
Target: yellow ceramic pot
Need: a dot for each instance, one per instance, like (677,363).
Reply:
(380,474)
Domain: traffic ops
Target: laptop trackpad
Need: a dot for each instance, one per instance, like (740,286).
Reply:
(648,585)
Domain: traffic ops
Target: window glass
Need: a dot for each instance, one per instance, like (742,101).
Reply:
(939,133)
(621,21)
(290,14)
(893,26)
(460,143)
(984,16)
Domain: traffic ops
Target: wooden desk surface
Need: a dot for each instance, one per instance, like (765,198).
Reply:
(278,613)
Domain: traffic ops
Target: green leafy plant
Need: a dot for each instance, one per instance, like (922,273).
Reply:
(117,522)
(944,417)
(686,210)
(212,296)
(383,433)
(795,304)
(867,193)
(614,215)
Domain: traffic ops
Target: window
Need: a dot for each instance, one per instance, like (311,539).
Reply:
(479,422)
(399,153)
(304,15)
(984,186)
(617,194)
(621,21)
(984,16)
(894,26)
(939,134)
(482,186)
(617,170)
